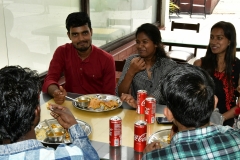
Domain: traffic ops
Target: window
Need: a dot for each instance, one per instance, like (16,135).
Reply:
(31,30)
(113,19)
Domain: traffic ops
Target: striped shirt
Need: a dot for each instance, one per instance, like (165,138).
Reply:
(32,149)
(212,142)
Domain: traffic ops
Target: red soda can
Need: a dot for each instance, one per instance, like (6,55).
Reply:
(115,131)
(140,135)
(141,96)
(150,109)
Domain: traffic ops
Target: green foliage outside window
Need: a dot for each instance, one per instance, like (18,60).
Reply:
(173,8)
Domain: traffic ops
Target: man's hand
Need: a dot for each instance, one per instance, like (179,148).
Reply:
(63,115)
(152,146)
(137,65)
(129,99)
(59,95)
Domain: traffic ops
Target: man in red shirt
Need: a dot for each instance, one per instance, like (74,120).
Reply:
(87,69)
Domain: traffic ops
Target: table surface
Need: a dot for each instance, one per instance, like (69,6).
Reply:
(188,39)
(100,126)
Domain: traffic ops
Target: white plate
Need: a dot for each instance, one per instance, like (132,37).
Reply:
(42,127)
(160,136)
(104,97)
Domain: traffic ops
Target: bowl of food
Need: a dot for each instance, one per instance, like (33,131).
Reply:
(83,102)
(56,137)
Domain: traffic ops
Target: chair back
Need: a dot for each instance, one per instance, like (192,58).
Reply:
(119,65)
(185,26)
(118,68)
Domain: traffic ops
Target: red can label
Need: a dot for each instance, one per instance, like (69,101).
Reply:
(141,96)
(150,109)
(140,135)
(115,131)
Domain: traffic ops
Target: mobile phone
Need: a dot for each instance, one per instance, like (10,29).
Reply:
(162,120)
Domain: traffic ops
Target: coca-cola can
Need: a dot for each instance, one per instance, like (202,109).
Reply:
(140,135)
(141,96)
(150,109)
(115,131)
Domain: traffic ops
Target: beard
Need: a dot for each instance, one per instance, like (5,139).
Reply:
(82,48)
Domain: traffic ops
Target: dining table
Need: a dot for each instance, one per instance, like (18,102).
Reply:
(99,122)
(189,39)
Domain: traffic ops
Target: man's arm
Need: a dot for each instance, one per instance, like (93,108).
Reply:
(58,94)
(54,71)
(78,136)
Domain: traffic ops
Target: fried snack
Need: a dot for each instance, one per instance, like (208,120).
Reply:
(54,126)
(111,104)
(48,106)
(67,136)
(95,103)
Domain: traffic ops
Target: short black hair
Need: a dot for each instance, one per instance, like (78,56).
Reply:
(19,97)
(189,94)
(77,19)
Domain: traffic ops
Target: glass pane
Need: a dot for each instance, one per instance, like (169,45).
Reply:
(31,30)
(112,19)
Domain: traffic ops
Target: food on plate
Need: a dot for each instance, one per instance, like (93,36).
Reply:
(167,139)
(41,132)
(96,103)
(48,106)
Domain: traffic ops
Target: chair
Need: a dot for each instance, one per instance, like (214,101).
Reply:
(200,5)
(119,67)
(187,3)
(178,55)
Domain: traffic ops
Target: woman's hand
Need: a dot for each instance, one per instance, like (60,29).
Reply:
(137,65)
(129,99)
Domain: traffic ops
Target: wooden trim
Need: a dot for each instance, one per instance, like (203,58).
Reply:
(84,6)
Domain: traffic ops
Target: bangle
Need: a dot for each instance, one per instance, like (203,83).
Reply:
(223,118)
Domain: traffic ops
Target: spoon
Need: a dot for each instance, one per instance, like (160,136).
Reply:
(49,126)
(71,98)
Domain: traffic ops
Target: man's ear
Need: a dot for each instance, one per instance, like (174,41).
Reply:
(37,111)
(215,101)
(168,113)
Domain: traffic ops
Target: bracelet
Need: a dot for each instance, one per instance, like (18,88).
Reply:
(223,118)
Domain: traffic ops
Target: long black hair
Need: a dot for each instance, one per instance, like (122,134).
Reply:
(209,62)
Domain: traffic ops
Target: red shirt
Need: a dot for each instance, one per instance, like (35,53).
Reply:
(95,74)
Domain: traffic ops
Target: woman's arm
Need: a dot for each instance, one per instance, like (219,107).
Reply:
(198,63)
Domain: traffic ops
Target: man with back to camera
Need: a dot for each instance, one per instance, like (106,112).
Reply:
(189,93)
(87,68)
(20,114)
